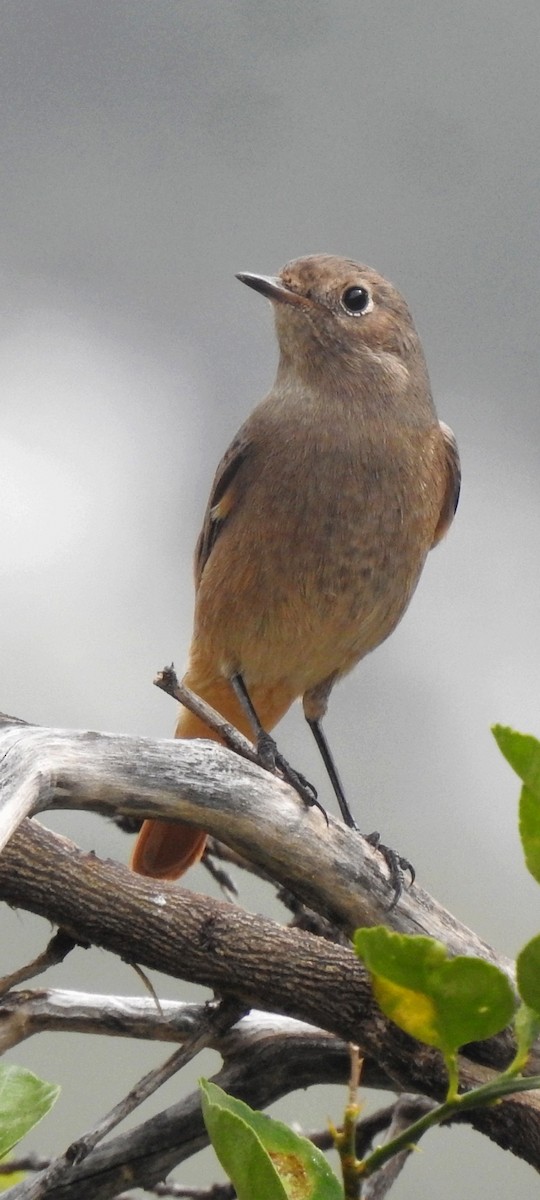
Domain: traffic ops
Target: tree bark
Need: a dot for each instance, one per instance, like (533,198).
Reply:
(266,966)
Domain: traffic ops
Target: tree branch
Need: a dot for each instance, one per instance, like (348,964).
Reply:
(330,868)
(264,965)
(214,943)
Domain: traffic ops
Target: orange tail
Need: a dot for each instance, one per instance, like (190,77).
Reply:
(164,850)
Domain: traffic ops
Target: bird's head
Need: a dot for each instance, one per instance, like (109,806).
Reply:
(334,314)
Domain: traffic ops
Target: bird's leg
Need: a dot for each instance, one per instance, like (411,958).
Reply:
(395,862)
(267,748)
(328,760)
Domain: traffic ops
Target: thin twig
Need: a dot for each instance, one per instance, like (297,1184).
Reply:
(221,876)
(407,1109)
(167,680)
(146,982)
(27,1162)
(366,1130)
(55,952)
(215,1019)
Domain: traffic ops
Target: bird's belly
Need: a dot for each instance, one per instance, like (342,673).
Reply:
(311,609)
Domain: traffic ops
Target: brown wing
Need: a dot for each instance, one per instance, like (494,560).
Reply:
(453,483)
(222,498)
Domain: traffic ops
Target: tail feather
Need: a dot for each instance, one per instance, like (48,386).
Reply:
(164,850)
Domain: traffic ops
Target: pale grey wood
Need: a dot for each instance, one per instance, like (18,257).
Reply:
(258,815)
(26,1013)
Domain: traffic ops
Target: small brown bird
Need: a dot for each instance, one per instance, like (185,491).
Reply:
(320,518)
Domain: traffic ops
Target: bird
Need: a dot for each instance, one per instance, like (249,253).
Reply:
(320,518)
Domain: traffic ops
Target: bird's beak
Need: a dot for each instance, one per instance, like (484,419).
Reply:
(272,287)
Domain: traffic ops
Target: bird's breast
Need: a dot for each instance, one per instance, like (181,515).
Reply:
(318,562)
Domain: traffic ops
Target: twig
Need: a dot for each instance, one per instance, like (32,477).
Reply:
(167,680)
(55,952)
(406,1110)
(366,1130)
(221,876)
(27,1162)
(216,1020)
(147,984)
(345,1138)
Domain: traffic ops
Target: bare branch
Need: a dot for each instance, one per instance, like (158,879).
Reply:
(214,943)
(26,1013)
(62,1011)
(330,868)
(218,945)
(168,682)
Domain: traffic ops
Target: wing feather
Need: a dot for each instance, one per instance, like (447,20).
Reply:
(453,483)
(221,501)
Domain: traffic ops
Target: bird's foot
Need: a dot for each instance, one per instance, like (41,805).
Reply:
(271,758)
(397,866)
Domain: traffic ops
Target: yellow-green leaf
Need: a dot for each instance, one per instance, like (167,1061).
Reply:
(445,1002)
(8,1180)
(263,1157)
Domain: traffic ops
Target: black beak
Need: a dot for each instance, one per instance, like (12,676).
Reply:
(272,287)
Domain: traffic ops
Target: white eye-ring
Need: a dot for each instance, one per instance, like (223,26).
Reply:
(357,301)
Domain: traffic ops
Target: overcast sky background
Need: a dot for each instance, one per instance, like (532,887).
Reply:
(150,149)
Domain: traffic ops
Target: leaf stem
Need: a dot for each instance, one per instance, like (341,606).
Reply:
(488,1093)
(345,1138)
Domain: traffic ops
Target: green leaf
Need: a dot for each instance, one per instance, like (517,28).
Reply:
(528,974)
(529,829)
(523,753)
(263,1157)
(527,1027)
(24,1100)
(443,1001)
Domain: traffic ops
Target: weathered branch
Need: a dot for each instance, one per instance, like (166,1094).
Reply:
(26,1013)
(331,868)
(217,944)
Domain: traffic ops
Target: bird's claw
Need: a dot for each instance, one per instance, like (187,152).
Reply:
(397,866)
(271,758)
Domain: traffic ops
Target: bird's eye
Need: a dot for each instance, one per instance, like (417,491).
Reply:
(356,301)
